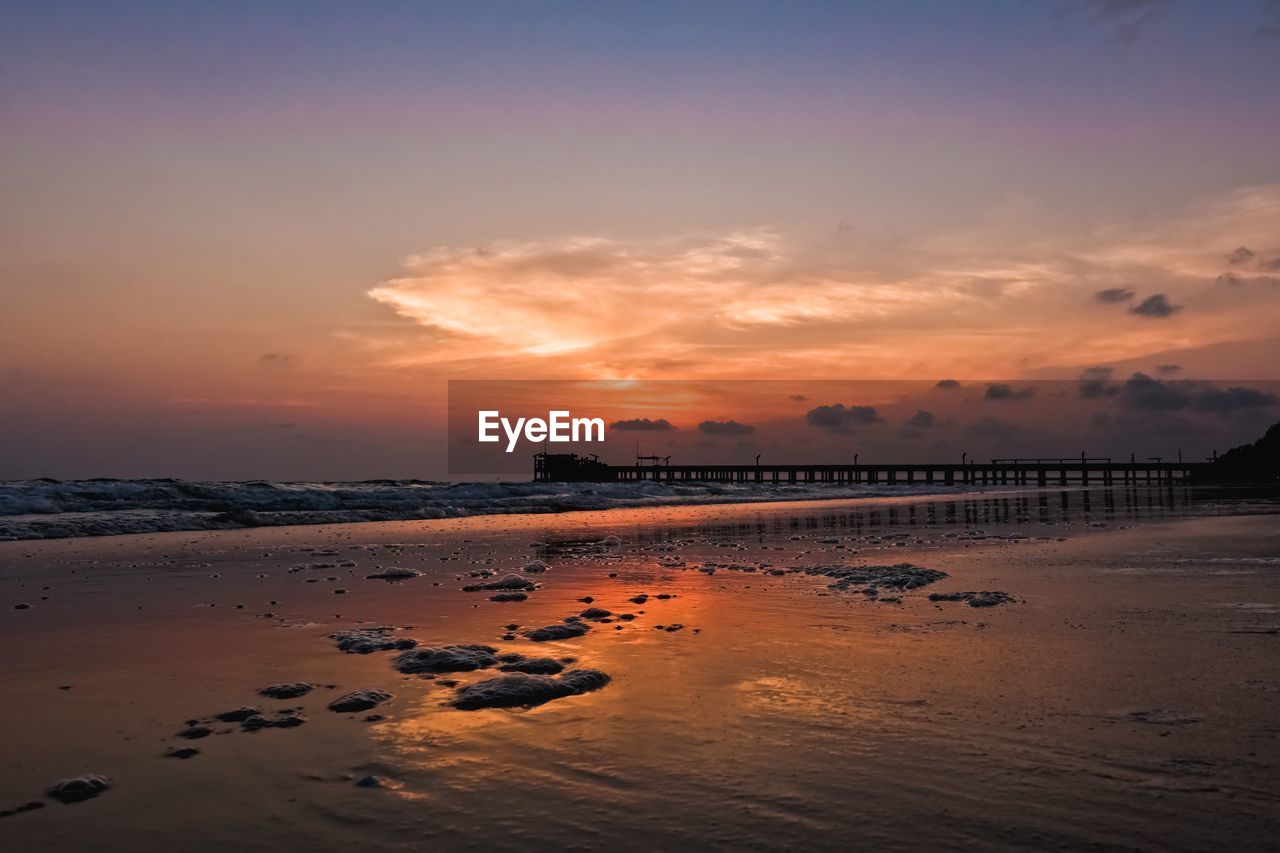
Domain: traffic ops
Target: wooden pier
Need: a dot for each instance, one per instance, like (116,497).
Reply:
(998,472)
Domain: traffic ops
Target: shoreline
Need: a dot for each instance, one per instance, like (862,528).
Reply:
(331,503)
(111,517)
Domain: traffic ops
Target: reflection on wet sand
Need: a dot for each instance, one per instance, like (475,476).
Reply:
(812,691)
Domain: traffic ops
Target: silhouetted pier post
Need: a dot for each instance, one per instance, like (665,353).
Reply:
(1018,472)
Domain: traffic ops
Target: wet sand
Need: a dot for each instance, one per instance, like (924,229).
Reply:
(1124,699)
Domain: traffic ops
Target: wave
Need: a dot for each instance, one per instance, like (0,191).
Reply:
(54,509)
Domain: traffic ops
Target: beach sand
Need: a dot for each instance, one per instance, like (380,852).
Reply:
(1125,699)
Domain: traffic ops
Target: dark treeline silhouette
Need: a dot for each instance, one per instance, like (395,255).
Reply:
(1259,461)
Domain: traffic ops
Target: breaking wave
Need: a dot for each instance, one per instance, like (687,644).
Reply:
(53,509)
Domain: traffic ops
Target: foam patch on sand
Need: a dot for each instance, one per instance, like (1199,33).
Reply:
(558,631)
(452,658)
(984,598)
(521,690)
(509,582)
(900,576)
(363,641)
(359,700)
(79,788)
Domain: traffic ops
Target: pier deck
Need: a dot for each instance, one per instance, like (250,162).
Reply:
(1037,472)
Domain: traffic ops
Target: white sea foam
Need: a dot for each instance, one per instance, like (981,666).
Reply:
(51,509)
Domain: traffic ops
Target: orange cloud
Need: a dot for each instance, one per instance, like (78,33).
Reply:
(758,303)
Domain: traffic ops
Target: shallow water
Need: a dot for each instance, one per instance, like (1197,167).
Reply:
(1125,701)
(56,509)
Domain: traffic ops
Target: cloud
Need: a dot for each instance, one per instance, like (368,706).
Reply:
(922,420)
(797,398)
(1167,369)
(1240,256)
(1244,256)
(543,298)
(840,417)
(1113,294)
(1001,391)
(826,416)
(1125,18)
(947,384)
(1141,391)
(1270,28)
(862,414)
(643,425)
(1155,305)
(275,359)
(634,302)
(1093,383)
(757,303)
(1233,398)
(1233,280)
(725,428)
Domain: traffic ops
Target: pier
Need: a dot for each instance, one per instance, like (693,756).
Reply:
(568,467)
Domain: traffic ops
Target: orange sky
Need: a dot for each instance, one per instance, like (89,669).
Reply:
(363,381)
(996,300)
(265,249)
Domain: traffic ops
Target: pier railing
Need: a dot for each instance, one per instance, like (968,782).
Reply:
(998,472)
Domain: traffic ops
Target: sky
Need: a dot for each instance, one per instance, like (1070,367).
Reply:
(256,240)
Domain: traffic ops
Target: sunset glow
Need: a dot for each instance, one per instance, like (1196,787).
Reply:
(212,266)
(639,425)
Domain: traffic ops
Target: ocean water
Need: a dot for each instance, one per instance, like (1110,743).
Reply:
(55,509)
